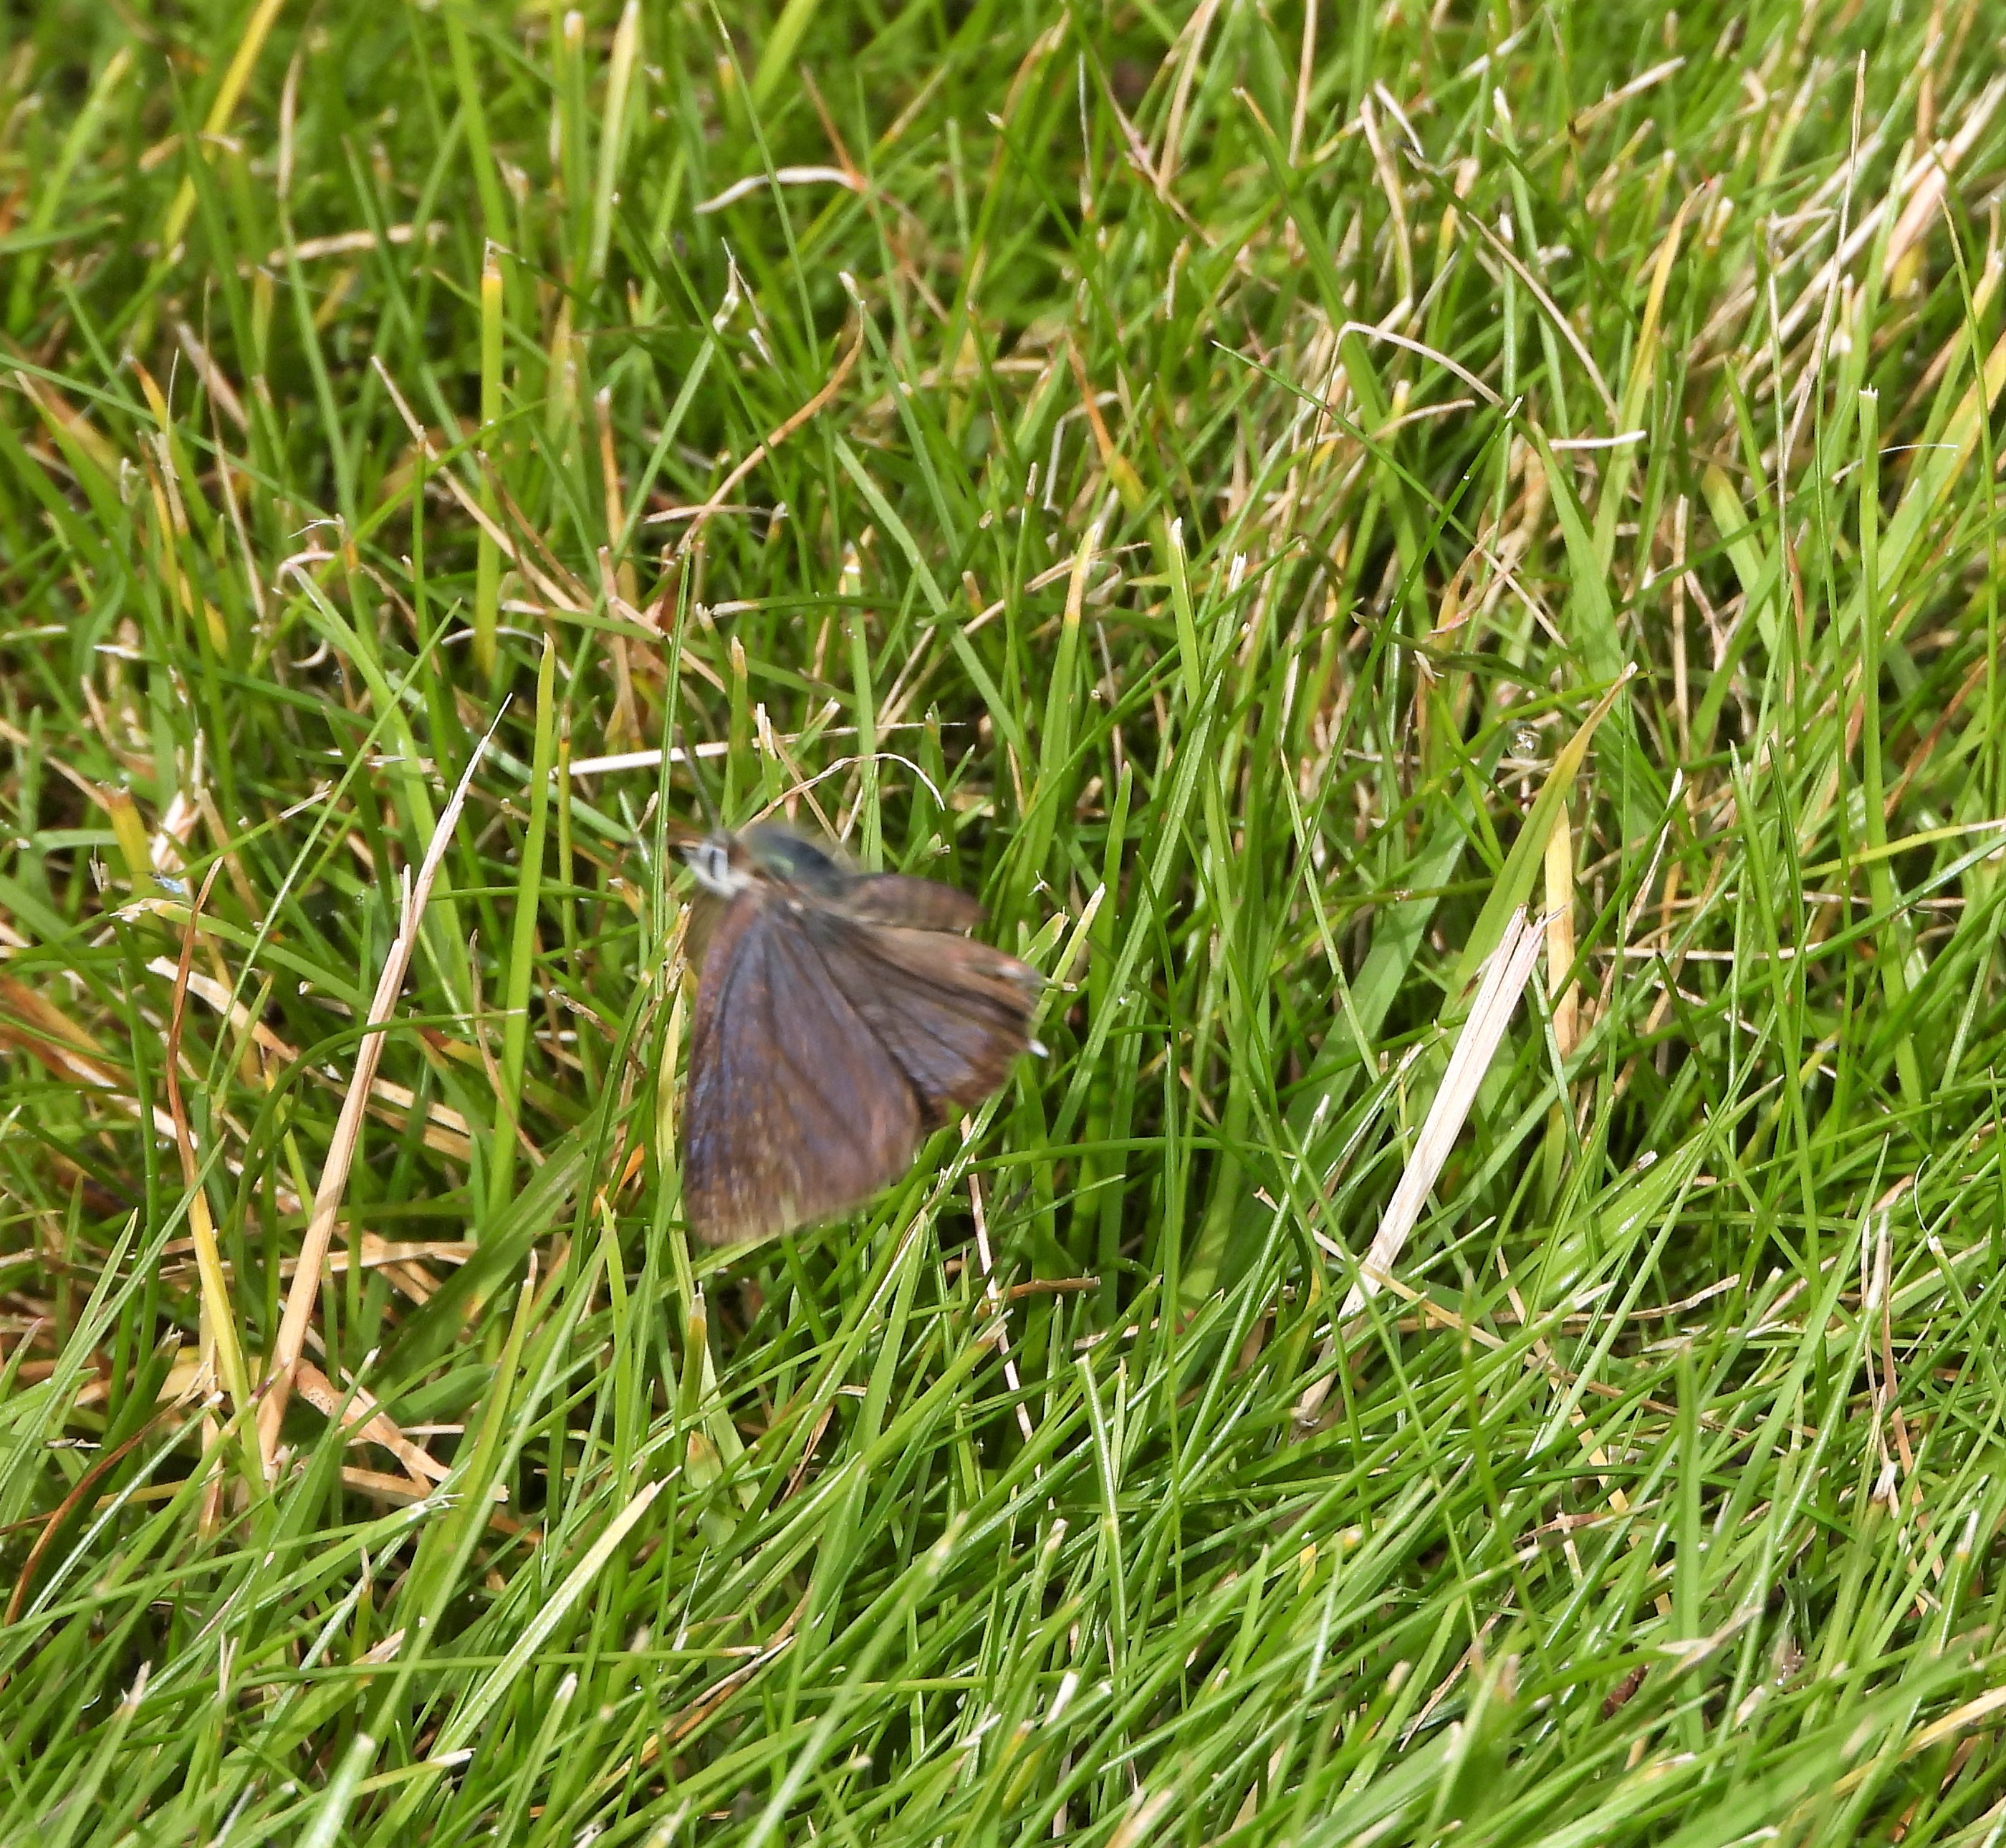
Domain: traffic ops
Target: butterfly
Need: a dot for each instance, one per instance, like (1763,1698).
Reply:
(840,1018)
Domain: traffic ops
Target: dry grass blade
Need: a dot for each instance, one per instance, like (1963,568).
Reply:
(291,1344)
(79,1493)
(359,1413)
(1504,978)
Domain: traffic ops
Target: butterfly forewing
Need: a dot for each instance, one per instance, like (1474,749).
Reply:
(796,1109)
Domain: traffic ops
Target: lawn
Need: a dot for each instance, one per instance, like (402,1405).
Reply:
(1288,505)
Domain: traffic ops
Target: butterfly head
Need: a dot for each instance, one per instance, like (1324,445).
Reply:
(721,863)
(726,865)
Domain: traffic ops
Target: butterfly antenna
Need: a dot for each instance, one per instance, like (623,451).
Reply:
(686,752)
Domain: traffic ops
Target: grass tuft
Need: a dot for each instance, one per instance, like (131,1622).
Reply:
(1259,495)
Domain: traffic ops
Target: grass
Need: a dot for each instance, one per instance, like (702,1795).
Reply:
(1192,477)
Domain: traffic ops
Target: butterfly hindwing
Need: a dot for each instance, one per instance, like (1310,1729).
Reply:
(898,898)
(951,1014)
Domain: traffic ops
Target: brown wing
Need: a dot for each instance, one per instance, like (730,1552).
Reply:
(706,911)
(897,898)
(796,1111)
(951,1014)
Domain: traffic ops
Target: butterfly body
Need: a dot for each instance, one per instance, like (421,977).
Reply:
(840,1018)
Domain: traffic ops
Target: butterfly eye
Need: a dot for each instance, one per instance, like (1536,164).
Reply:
(711,862)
